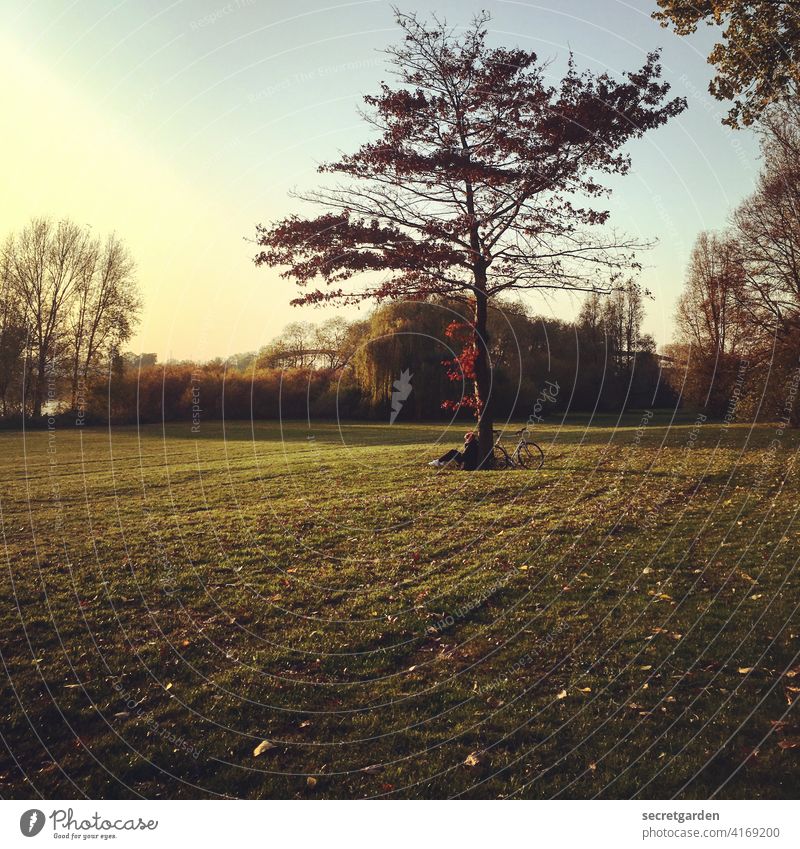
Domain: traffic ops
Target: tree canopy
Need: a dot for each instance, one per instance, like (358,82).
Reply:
(757,58)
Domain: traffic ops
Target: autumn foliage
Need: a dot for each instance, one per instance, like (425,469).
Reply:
(461,368)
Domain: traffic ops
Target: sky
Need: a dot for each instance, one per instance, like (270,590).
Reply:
(181,125)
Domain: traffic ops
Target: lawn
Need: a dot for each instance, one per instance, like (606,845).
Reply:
(622,623)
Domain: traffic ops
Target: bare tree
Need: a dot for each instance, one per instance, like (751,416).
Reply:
(590,321)
(709,315)
(104,310)
(293,348)
(767,230)
(76,297)
(45,263)
(12,333)
(620,317)
(632,318)
(331,341)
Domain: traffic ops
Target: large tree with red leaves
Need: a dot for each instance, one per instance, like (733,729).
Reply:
(478,180)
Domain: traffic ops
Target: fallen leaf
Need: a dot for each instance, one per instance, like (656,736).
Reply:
(263,746)
(584,689)
(562,695)
(791,743)
(743,670)
(474,759)
(311,782)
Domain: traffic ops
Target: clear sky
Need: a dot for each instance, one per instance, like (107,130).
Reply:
(180,125)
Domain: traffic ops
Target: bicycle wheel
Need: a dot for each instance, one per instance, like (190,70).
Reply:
(530,455)
(501,458)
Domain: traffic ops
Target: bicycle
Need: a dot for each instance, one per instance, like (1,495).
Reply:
(526,455)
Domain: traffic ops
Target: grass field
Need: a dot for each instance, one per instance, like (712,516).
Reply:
(622,623)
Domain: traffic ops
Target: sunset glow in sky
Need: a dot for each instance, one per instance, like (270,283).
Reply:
(181,125)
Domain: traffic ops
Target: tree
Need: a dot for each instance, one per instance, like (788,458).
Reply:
(12,333)
(45,262)
(767,232)
(470,187)
(404,337)
(711,330)
(294,348)
(632,318)
(76,300)
(621,317)
(105,307)
(767,228)
(618,366)
(758,59)
(709,316)
(301,344)
(590,322)
(333,339)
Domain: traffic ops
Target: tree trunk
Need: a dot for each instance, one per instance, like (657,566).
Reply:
(38,386)
(483,377)
(74,381)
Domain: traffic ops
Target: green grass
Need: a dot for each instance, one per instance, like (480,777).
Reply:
(170,600)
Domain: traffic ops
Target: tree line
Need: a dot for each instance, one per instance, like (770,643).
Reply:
(348,369)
